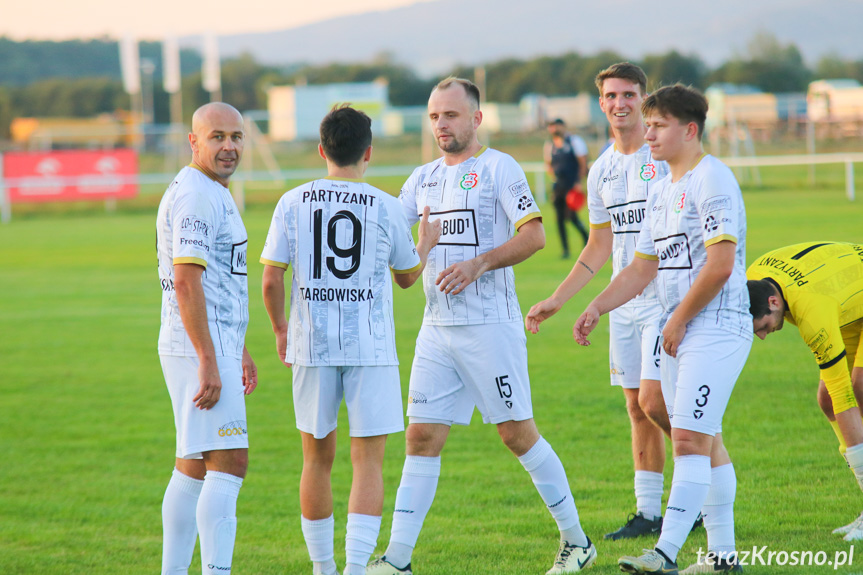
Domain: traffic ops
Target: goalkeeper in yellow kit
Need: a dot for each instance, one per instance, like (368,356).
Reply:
(818,286)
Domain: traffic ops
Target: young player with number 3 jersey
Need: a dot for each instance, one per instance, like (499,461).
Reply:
(341,237)
(471,349)
(693,243)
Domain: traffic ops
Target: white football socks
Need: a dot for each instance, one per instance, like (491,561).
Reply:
(413,500)
(360,541)
(718,511)
(217,521)
(549,477)
(319,534)
(689,486)
(179,526)
(854,457)
(648,493)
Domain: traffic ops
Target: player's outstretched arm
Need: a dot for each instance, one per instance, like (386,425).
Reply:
(630,282)
(273,288)
(428,235)
(529,240)
(193,312)
(592,258)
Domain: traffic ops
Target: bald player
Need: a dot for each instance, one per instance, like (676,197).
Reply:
(201,244)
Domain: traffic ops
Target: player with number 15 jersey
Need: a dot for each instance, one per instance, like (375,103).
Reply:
(480,203)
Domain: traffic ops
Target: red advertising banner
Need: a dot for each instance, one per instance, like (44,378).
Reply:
(70,175)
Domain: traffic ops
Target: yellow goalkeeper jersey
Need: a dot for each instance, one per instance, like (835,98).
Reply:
(822,285)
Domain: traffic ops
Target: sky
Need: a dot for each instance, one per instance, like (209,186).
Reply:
(153,19)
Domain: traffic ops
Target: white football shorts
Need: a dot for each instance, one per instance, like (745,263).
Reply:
(634,345)
(372,394)
(697,384)
(457,368)
(198,430)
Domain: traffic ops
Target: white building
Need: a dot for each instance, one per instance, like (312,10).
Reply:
(296,111)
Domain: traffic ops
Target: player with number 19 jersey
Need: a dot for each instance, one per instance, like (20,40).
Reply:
(341,237)
(480,202)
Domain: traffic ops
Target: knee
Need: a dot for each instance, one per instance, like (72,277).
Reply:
(425,439)
(635,409)
(653,406)
(824,401)
(518,436)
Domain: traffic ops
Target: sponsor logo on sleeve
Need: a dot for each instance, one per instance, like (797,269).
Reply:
(524,203)
(710,224)
(673,252)
(519,188)
(193,225)
(716,203)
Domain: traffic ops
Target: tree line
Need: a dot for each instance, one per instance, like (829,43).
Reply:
(82,78)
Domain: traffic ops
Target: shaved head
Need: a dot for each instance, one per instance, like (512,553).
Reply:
(217,140)
(208,113)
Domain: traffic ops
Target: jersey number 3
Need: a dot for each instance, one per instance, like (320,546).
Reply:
(353,251)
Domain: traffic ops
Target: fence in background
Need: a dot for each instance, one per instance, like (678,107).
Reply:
(746,167)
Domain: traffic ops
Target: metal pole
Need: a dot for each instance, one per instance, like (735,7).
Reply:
(849,180)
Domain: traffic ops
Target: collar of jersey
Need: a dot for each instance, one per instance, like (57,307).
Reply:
(481,150)
(338,179)
(195,166)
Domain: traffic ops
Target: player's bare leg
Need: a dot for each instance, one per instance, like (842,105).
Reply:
(648,456)
(366,502)
(316,501)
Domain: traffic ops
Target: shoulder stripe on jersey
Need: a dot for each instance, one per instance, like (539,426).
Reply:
(833,361)
(527,218)
(722,238)
(274,263)
(413,269)
(600,226)
(646,256)
(198,261)
(802,253)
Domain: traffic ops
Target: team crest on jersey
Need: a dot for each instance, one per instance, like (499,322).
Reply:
(647,172)
(469,181)
(680,202)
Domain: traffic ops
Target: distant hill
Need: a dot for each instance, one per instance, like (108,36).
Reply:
(433,37)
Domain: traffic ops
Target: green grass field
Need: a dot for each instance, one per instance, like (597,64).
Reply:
(89,437)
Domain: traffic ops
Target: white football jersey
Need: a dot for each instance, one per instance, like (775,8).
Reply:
(480,202)
(341,237)
(617,189)
(704,207)
(199,223)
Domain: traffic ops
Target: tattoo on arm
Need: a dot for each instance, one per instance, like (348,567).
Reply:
(587,267)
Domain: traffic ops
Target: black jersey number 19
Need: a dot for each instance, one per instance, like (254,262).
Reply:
(353,251)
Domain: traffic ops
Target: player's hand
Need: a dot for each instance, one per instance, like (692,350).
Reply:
(282,345)
(250,372)
(585,324)
(428,232)
(540,312)
(672,335)
(211,385)
(454,279)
